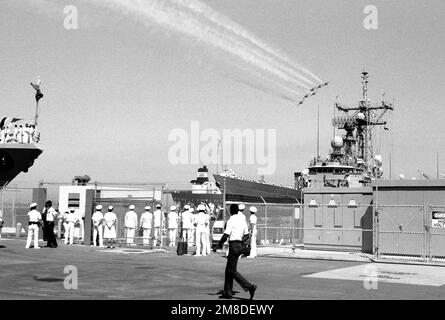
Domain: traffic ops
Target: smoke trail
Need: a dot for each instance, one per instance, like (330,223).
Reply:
(261,88)
(222,21)
(172,18)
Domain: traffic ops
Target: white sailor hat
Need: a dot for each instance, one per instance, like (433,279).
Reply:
(110,208)
(172,208)
(158,205)
(32,205)
(99,207)
(147,208)
(131,207)
(192,210)
(186,207)
(201,207)
(253,209)
(241,206)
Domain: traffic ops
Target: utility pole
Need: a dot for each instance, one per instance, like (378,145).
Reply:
(318,132)
(224,199)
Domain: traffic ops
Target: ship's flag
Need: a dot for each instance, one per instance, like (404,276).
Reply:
(39,94)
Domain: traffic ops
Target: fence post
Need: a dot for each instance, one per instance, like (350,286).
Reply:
(293,223)
(426,237)
(265,224)
(376,231)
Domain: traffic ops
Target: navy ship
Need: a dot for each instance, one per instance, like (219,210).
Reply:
(352,162)
(18,145)
(237,188)
(16,158)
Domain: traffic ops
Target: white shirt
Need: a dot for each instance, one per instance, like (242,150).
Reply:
(173,220)
(202,221)
(110,218)
(131,219)
(252,220)
(236,227)
(146,220)
(187,219)
(34,216)
(157,218)
(97,218)
(70,217)
(194,219)
(51,214)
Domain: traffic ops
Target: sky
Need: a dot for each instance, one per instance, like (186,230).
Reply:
(118,85)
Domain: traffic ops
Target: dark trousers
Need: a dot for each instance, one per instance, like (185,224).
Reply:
(50,236)
(231,273)
(45,230)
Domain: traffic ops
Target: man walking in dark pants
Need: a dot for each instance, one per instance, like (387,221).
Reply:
(51,215)
(236,228)
(44,225)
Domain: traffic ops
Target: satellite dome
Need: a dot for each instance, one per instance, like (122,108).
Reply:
(360,116)
(337,142)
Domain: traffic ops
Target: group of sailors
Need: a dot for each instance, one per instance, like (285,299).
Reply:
(19,134)
(46,220)
(195,226)
(188,225)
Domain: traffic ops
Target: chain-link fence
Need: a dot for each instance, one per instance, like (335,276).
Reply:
(120,208)
(277,224)
(14,203)
(410,233)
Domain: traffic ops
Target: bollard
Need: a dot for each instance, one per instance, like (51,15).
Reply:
(18,229)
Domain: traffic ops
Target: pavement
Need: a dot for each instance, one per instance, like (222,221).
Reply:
(141,273)
(301,253)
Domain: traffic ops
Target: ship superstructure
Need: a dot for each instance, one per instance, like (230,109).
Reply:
(351,162)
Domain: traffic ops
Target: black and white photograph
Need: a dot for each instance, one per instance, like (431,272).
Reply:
(222,155)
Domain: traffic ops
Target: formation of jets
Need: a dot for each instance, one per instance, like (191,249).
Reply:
(312,92)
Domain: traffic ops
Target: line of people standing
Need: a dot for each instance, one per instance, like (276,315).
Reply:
(19,134)
(187,225)
(47,221)
(105,226)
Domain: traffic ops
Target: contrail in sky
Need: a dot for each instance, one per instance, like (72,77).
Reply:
(206,11)
(201,23)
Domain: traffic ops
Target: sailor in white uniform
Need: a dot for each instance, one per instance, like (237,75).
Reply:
(194,214)
(131,223)
(241,208)
(79,225)
(172,225)
(146,223)
(186,218)
(70,219)
(207,229)
(16,133)
(157,220)
(110,227)
(98,226)
(1,224)
(253,231)
(202,222)
(33,229)
(26,134)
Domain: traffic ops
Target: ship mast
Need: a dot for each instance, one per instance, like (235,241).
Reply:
(362,119)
